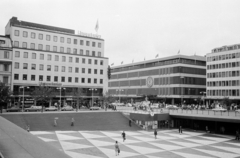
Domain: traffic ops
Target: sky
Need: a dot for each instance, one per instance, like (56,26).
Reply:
(138,29)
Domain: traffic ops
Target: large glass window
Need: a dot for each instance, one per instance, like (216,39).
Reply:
(70,59)
(40,47)
(25,55)
(63,69)
(24,77)
(16,32)
(99,45)
(25,34)
(48,37)
(81,52)
(55,38)
(16,76)
(47,47)
(33,66)
(56,58)
(17,54)
(40,36)
(69,69)
(25,66)
(16,44)
(16,65)
(24,44)
(62,49)
(62,39)
(69,40)
(48,67)
(55,48)
(32,77)
(33,35)
(32,45)
(49,57)
(41,67)
(41,56)
(81,42)
(63,58)
(56,68)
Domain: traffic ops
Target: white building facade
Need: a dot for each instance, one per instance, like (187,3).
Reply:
(56,57)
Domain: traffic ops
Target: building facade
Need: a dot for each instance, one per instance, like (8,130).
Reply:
(175,79)
(56,57)
(223,68)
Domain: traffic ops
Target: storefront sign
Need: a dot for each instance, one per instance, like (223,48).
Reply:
(50,84)
(149,82)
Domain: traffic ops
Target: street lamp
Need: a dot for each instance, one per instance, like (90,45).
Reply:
(203,93)
(23,87)
(92,89)
(181,81)
(120,90)
(60,88)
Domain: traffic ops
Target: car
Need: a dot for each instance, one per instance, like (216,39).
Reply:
(95,108)
(154,105)
(67,108)
(171,107)
(51,108)
(33,108)
(219,109)
(238,110)
(14,109)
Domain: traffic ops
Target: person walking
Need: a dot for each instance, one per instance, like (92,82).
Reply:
(55,122)
(237,135)
(180,129)
(117,149)
(28,128)
(72,122)
(155,133)
(124,136)
(130,123)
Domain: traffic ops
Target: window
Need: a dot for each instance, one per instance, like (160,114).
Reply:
(89,71)
(81,52)
(49,57)
(16,76)
(63,79)
(83,80)
(16,44)
(69,69)
(63,69)
(40,78)
(83,60)
(101,62)
(99,45)
(25,65)
(77,60)
(76,79)
(25,55)
(93,44)
(63,58)
(41,56)
(24,44)
(25,34)
(40,36)
(81,42)
(76,69)
(16,65)
(69,79)
(6,54)
(75,41)
(83,70)
(41,67)
(56,68)
(17,54)
(99,54)
(70,59)
(95,62)
(101,81)
(93,53)
(74,51)
(87,52)
(69,40)
(48,37)
(62,39)
(16,32)
(47,47)
(68,50)
(24,77)
(62,49)
(32,77)
(40,47)
(56,58)
(55,79)
(89,61)
(88,43)
(6,67)
(33,66)
(55,38)
(55,48)
(48,67)
(48,78)
(33,35)
(95,80)
(101,72)
(89,80)
(95,71)
(32,46)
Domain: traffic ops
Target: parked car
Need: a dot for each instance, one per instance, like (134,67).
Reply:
(51,108)
(13,109)
(154,105)
(33,108)
(238,110)
(129,105)
(67,108)
(219,109)
(95,108)
(171,107)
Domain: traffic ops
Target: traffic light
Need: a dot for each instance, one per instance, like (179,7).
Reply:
(109,72)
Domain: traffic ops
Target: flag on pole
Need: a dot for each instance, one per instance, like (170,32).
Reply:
(156,56)
(96,27)
(178,52)
(122,62)
(112,64)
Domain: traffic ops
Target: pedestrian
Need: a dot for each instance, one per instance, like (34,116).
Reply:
(206,129)
(180,129)
(28,128)
(117,149)
(130,123)
(155,133)
(124,136)
(72,122)
(55,122)
(237,135)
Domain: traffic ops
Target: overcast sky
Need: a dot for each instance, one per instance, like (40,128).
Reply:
(138,29)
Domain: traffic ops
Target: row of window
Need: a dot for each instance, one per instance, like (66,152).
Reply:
(223,74)
(56,38)
(61,50)
(223,92)
(56,58)
(223,57)
(57,79)
(224,65)
(223,83)
(56,68)
(226,48)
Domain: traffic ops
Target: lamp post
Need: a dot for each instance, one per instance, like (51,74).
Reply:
(92,89)
(23,87)
(60,88)
(181,81)
(119,91)
(203,93)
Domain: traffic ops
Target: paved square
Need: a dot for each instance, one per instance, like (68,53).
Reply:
(141,144)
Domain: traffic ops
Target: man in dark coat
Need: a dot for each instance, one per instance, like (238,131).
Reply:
(124,136)
(155,133)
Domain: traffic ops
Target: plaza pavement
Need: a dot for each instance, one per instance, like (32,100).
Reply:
(141,144)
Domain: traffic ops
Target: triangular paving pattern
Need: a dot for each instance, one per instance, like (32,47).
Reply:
(122,147)
(221,154)
(72,146)
(93,151)
(80,141)
(166,154)
(144,150)
(48,136)
(67,137)
(167,147)
(111,153)
(47,139)
(41,132)
(192,152)
(79,155)
(89,135)
(112,134)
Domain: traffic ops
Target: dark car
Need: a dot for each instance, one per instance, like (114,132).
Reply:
(13,109)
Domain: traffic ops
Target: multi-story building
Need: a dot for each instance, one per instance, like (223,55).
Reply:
(173,79)
(56,57)
(223,68)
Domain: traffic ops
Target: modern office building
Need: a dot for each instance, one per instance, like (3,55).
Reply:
(173,79)
(56,57)
(223,68)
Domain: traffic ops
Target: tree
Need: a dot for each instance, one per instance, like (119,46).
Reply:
(106,98)
(226,102)
(109,72)
(5,94)
(43,94)
(78,94)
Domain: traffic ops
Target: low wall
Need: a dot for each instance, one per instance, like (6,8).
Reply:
(148,117)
